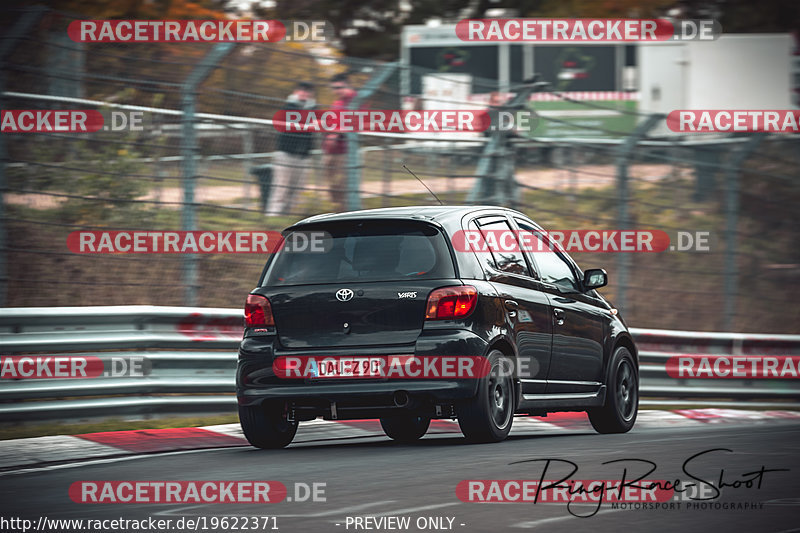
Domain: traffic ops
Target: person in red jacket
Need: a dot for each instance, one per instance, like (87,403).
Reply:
(334,146)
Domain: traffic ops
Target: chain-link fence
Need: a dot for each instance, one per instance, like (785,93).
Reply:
(205,159)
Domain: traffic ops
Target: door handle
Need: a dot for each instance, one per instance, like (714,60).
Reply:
(558,316)
(511,305)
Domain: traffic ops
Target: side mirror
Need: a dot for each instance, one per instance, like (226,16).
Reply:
(594,278)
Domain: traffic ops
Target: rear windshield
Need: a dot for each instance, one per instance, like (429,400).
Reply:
(366,251)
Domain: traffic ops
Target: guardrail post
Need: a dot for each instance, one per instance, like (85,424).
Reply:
(739,156)
(623,197)
(189,153)
(353,146)
(22,27)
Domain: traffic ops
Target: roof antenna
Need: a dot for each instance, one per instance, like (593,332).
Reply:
(423,183)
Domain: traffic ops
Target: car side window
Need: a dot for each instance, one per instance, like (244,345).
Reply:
(482,251)
(513,260)
(551,266)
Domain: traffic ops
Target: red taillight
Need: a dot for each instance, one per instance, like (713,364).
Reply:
(451,302)
(258,312)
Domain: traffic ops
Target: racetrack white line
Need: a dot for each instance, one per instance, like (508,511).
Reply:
(528,428)
(79,463)
(321,514)
(170,512)
(406,511)
(107,460)
(697,437)
(543,521)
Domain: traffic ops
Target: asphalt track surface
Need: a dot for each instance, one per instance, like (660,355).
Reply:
(375,477)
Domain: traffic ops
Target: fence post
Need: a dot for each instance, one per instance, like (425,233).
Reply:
(387,175)
(22,27)
(706,163)
(189,152)
(483,190)
(499,146)
(623,219)
(508,188)
(353,146)
(740,154)
(247,144)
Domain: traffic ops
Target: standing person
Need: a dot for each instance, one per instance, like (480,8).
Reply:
(334,146)
(292,160)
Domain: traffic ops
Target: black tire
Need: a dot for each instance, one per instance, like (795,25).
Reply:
(266,427)
(488,416)
(405,428)
(618,415)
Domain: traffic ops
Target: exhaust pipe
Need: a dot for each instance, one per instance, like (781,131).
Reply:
(401,399)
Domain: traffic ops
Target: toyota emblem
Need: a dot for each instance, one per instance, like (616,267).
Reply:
(344,295)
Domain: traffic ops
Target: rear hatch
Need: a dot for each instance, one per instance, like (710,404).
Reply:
(369,287)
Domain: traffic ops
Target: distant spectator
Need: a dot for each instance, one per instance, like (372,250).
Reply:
(334,146)
(292,160)
(496,102)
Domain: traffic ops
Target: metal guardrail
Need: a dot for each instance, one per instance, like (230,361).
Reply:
(186,359)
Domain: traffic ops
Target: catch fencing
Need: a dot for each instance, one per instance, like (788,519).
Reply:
(202,162)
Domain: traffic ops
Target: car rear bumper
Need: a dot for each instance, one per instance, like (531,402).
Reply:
(378,393)
(256,381)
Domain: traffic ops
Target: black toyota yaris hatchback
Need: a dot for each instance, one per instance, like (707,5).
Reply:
(390,283)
